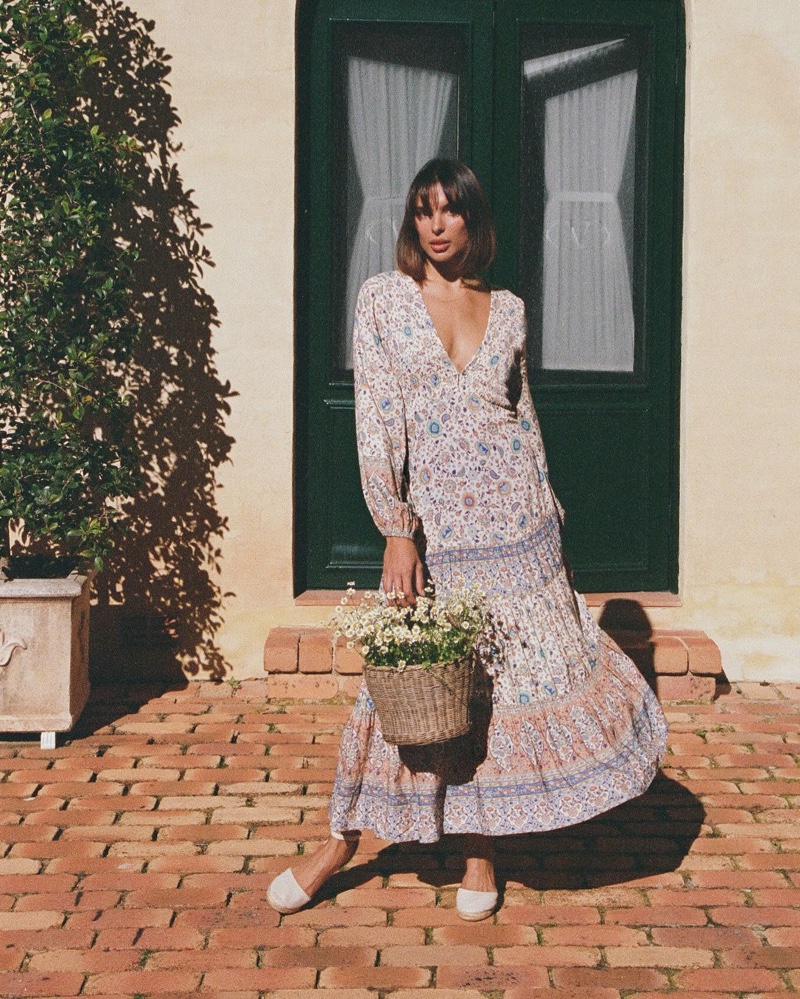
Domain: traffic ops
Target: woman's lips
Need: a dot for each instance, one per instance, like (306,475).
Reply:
(439,246)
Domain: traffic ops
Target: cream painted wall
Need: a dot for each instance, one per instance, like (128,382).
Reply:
(232,83)
(233,86)
(740,447)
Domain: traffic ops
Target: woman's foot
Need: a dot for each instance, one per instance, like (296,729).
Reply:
(479,860)
(477,897)
(296,886)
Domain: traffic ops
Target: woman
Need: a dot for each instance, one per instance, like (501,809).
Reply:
(454,474)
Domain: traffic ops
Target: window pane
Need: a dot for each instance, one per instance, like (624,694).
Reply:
(401,108)
(579,173)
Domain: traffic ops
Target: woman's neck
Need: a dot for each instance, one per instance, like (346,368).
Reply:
(449,281)
(448,277)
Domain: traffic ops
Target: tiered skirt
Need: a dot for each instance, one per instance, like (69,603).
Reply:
(566,727)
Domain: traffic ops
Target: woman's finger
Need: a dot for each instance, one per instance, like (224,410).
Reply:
(410,590)
(388,588)
(420,578)
(400,591)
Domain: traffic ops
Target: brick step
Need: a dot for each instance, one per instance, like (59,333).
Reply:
(680,665)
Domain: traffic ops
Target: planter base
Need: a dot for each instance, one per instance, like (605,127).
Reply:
(44,655)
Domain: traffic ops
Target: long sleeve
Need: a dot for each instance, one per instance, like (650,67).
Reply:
(527,414)
(380,425)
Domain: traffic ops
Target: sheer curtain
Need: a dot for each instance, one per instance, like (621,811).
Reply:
(587,306)
(396,117)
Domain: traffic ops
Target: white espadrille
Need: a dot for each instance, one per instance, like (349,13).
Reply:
(285,895)
(475,905)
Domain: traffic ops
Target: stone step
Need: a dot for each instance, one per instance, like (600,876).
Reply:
(304,664)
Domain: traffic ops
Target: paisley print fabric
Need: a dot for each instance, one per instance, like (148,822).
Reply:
(566,726)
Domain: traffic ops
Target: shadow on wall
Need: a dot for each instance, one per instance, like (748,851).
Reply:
(625,619)
(159,600)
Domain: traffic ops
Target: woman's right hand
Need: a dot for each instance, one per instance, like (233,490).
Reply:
(403,571)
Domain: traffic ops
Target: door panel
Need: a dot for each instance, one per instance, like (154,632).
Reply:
(420,61)
(595,439)
(584,190)
(355,542)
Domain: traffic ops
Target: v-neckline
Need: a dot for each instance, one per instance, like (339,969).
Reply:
(439,340)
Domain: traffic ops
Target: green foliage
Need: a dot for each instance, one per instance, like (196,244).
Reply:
(67,456)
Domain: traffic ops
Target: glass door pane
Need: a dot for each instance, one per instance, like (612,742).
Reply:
(579,200)
(399,107)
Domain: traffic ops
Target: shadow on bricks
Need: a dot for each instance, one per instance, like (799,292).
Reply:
(110,703)
(648,836)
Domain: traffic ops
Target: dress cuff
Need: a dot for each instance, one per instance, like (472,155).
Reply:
(404,524)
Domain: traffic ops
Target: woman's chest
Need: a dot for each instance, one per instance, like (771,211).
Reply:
(461,324)
(426,372)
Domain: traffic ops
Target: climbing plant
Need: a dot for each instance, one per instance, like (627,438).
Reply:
(67,457)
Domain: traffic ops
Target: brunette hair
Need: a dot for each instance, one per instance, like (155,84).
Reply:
(465,196)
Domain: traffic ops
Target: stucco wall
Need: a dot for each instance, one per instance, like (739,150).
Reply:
(233,86)
(740,447)
(232,83)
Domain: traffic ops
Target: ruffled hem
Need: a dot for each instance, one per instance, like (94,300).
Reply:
(529,768)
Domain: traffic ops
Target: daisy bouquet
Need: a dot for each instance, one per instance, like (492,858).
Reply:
(435,630)
(419,662)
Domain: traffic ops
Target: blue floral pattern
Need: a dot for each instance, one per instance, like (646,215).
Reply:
(572,728)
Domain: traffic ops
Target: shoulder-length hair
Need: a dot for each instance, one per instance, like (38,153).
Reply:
(465,196)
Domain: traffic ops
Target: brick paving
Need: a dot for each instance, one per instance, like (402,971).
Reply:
(135,860)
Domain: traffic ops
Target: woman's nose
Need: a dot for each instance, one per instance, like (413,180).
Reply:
(437,222)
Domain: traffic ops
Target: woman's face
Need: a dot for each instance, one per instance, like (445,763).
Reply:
(442,232)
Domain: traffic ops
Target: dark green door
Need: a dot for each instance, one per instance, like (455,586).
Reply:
(569,112)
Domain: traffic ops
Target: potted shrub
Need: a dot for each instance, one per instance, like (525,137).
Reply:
(66,457)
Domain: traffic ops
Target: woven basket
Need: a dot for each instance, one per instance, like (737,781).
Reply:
(421,705)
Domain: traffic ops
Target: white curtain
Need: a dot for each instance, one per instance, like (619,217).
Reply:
(396,116)
(587,295)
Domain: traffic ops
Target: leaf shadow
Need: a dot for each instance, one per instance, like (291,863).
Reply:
(159,599)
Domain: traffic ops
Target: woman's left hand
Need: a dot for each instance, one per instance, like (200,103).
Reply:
(403,571)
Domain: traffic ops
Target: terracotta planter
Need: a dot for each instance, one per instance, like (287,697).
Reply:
(44,655)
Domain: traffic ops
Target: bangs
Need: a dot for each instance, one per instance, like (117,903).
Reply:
(465,197)
(455,198)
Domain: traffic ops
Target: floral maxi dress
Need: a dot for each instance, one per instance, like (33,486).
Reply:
(456,458)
